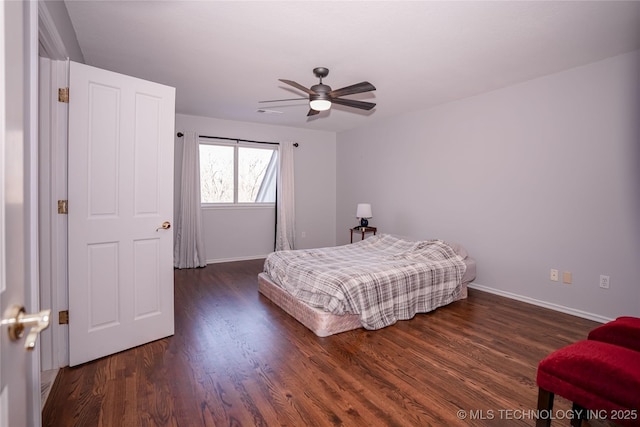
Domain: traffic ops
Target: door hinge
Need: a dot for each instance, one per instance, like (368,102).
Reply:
(63,95)
(63,317)
(63,206)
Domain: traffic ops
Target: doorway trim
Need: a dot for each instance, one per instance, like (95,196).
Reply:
(53,226)
(52,149)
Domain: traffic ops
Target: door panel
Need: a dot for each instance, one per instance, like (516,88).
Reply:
(147,156)
(120,192)
(102,141)
(103,285)
(147,295)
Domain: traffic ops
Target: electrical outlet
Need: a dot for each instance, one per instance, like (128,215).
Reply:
(303,235)
(553,276)
(604,281)
(566,277)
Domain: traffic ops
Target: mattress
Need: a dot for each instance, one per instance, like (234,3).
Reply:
(323,323)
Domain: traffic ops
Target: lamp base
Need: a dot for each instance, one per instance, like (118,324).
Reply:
(364,222)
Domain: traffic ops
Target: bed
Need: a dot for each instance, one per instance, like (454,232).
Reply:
(372,283)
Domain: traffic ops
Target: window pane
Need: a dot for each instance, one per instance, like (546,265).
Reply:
(256,175)
(216,174)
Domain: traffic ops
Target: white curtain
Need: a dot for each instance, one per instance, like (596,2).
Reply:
(285,220)
(188,247)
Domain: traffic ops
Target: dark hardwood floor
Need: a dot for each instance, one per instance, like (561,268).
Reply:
(236,359)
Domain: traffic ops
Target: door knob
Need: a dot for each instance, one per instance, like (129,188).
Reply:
(17,320)
(165,226)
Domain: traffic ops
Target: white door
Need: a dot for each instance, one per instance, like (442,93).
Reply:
(120,195)
(15,362)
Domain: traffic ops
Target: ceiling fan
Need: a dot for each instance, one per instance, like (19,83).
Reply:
(321,96)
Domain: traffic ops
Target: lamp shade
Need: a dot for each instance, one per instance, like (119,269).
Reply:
(364,210)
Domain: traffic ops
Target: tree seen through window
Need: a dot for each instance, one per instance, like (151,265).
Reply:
(237,174)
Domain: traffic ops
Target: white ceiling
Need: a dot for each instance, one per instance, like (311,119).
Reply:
(225,56)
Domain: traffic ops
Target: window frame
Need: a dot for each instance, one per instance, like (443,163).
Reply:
(236,145)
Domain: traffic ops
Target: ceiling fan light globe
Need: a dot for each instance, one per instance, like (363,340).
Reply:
(320,104)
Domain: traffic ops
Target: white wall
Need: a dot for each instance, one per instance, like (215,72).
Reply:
(57,36)
(540,175)
(245,233)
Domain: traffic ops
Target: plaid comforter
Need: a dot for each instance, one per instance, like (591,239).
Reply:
(382,278)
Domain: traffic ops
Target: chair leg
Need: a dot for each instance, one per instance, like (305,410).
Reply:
(578,414)
(545,408)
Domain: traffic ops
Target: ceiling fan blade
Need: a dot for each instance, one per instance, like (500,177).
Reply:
(278,100)
(298,86)
(350,90)
(312,112)
(353,103)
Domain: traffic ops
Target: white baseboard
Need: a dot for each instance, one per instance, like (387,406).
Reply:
(545,304)
(247,258)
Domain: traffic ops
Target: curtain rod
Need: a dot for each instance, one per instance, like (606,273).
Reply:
(180,135)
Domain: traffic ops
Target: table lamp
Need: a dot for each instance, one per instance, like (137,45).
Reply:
(364,213)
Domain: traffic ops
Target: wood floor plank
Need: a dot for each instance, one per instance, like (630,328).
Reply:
(236,359)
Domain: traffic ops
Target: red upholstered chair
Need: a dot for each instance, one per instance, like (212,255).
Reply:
(624,331)
(600,377)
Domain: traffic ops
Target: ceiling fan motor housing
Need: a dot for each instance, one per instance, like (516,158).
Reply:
(319,99)
(321,89)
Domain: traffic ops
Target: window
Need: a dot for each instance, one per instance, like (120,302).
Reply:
(237,174)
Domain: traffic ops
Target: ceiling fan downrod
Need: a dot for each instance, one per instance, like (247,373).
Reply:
(321,72)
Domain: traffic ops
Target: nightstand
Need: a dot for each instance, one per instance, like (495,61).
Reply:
(362,230)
